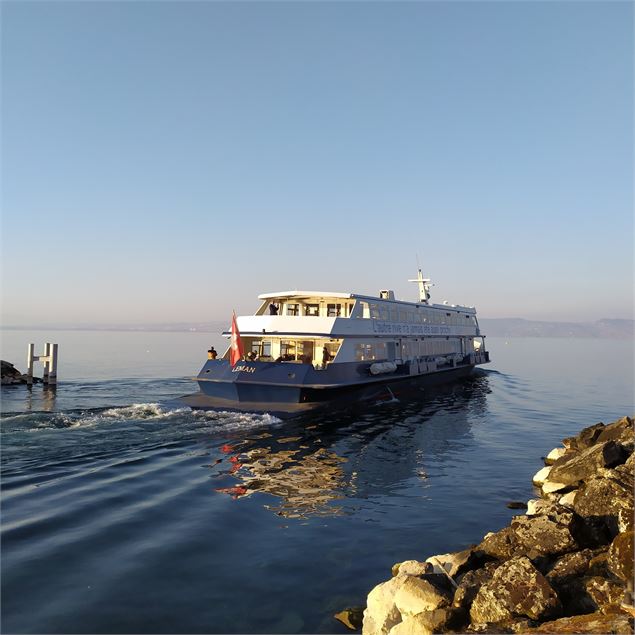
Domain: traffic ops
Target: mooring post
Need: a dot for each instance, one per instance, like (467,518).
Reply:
(29,364)
(53,365)
(49,374)
(46,358)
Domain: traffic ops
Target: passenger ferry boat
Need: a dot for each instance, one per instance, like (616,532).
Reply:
(303,350)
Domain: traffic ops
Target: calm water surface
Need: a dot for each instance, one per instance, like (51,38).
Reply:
(124,513)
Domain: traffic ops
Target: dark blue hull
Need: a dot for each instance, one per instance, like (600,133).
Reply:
(287,389)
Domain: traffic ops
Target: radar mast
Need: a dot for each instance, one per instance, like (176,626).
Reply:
(424,287)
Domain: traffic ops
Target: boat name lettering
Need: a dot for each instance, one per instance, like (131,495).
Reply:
(409,329)
(244,369)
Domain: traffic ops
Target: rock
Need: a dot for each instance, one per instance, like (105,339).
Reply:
(598,565)
(567,499)
(413,625)
(588,594)
(426,622)
(542,535)
(537,506)
(554,455)
(516,505)
(9,374)
(351,617)
(453,564)
(569,565)
(604,593)
(470,583)
(381,613)
(415,595)
(500,544)
(411,567)
(594,623)
(602,499)
(620,431)
(584,465)
(625,521)
(549,487)
(620,556)
(517,588)
(541,475)
(585,439)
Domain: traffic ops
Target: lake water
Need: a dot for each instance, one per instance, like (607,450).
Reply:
(124,513)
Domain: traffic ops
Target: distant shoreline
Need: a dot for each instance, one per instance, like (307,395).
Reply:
(493,327)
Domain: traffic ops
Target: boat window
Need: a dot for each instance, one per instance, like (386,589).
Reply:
(262,348)
(380,350)
(331,347)
(365,310)
(287,350)
(383,313)
(333,310)
(311,309)
(393,314)
(364,352)
(374,311)
(402,316)
(293,309)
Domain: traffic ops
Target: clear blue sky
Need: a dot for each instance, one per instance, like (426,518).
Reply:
(169,161)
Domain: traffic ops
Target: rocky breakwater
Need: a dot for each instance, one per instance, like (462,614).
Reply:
(566,566)
(11,375)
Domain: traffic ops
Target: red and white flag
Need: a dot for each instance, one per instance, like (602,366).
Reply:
(236,346)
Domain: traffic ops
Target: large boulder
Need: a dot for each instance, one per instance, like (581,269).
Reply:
(499,544)
(541,535)
(594,623)
(470,584)
(569,565)
(584,439)
(415,595)
(381,613)
(403,596)
(603,499)
(621,431)
(620,556)
(571,469)
(516,589)
(426,622)
(414,625)
(9,374)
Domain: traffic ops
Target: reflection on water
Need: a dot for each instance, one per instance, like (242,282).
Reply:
(43,398)
(304,483)
(312,465)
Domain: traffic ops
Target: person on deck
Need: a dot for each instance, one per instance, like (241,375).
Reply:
(326,356)
(273,309)
(211,353)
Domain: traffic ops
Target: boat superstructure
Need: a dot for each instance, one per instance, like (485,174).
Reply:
(306,349)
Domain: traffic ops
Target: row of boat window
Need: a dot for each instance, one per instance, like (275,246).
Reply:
(385,312)
(291,350)
(395,313)
(409,348)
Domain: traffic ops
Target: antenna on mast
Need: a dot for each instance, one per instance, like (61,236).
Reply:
(424,286)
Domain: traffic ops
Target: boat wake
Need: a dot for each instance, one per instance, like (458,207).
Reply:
(138,413)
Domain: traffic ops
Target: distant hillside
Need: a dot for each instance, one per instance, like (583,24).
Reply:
(517,327)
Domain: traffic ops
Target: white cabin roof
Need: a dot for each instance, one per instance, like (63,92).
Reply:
(371,298)
(304,294)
